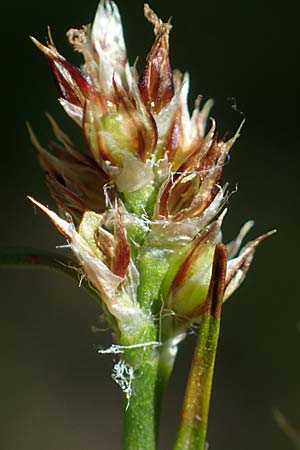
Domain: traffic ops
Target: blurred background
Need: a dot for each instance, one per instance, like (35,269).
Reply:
(56,392)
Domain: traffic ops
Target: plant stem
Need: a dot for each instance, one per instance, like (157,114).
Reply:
(140,426)
(193,427)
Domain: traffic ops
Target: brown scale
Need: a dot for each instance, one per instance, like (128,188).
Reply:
(156,82)
(121,258)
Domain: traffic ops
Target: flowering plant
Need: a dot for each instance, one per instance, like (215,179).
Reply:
(142,212)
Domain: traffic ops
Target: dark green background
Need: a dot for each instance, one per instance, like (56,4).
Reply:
(55,391)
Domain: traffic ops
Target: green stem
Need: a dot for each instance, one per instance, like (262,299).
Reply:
(193,427)
(140,426)
(32,258)
(142,416)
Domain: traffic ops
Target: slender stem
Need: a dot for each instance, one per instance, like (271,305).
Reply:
(193,427)
(32,258)
(141,418)
(140,426)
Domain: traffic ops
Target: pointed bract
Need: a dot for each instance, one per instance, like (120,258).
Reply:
(108,44)
(156,81)
(238,267)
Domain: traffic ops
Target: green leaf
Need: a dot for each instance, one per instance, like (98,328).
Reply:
(193,427)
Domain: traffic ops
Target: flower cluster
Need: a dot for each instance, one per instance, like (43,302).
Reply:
(142,209)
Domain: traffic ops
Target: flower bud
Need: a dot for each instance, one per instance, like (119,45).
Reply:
(192,188)
(121,143)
